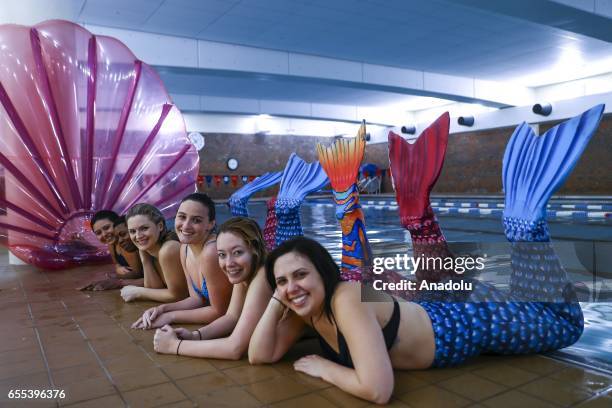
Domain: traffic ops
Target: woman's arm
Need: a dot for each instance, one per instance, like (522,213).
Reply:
(372,378)
(151,277)
(277,330)
(232,347)
(219,291)
(176,286)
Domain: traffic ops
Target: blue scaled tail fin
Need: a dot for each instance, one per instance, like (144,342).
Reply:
(238,201)
(534,167)
(299,179)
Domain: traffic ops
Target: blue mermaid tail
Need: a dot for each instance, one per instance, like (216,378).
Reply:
(299,179)
(239,200)
(535,167)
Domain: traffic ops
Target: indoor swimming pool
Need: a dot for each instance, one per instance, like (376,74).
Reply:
(582,241)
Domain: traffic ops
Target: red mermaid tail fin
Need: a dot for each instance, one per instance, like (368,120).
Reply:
(415,169)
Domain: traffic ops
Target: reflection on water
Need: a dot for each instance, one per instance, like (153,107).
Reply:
(388,238)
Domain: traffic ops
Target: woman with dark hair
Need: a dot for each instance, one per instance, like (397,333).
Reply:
(111,229)
(159,251)
(241,255)
(209,289)
(364,341)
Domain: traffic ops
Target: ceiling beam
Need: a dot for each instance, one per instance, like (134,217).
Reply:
(191,57)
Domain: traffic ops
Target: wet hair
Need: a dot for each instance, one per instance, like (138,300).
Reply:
(103,215)
(155,216)
(120,220)
(248,230)
(318,256)
(205,200)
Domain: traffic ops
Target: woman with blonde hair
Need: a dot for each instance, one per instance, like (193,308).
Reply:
(241,253)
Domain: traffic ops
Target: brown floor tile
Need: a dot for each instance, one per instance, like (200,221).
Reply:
(435,375)
(104,402)
(19,355)
(37,381)
(507,375)
(69,375)
(34,365)
(342,399)
(393,403)
(228,398)
(117,350)
(154,396)
(250,374)
(202,384)
(225,364)
(472,387)
(433,396)
(277,389)
(305,401)
(182,404)
(555,391)
(134,379)
(587,380)
(516,399)
(29,403)
(406,381)
(188,368)
(29,341)
(601,401)
(314,383)
(57,361)
(128,363)
(87,390)
(537,364)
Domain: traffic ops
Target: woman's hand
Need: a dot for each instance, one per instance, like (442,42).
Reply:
(130,293)
(312,365)
(122,271)
(165,340)
(150,315)
(185,334)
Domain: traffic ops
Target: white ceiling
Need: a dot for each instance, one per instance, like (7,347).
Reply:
(520,42)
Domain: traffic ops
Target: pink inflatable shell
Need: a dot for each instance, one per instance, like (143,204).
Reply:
(84,126)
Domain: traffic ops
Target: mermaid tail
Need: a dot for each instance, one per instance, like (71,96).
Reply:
(341,162)
(271,224)
(239,200)
(299,179)
(415,168)
(535,167)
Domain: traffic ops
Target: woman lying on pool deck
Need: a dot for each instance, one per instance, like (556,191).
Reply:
(363,342)
(241,252)
(111,229)
(164,280)
(209,289)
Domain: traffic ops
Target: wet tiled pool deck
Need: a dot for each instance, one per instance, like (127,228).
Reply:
(54,337)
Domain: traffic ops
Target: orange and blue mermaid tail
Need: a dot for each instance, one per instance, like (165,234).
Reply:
(298,180)
(341,162)
(535,167)
(415,168)
(239,200)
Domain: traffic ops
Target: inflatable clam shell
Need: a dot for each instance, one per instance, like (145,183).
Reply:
(84,126)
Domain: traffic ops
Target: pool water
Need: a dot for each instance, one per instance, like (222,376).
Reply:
(585,261)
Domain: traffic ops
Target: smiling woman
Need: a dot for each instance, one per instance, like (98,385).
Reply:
(160,255)
(241,253)
(209,289)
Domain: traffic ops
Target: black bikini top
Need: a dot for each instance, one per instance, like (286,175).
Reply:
(343,356)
